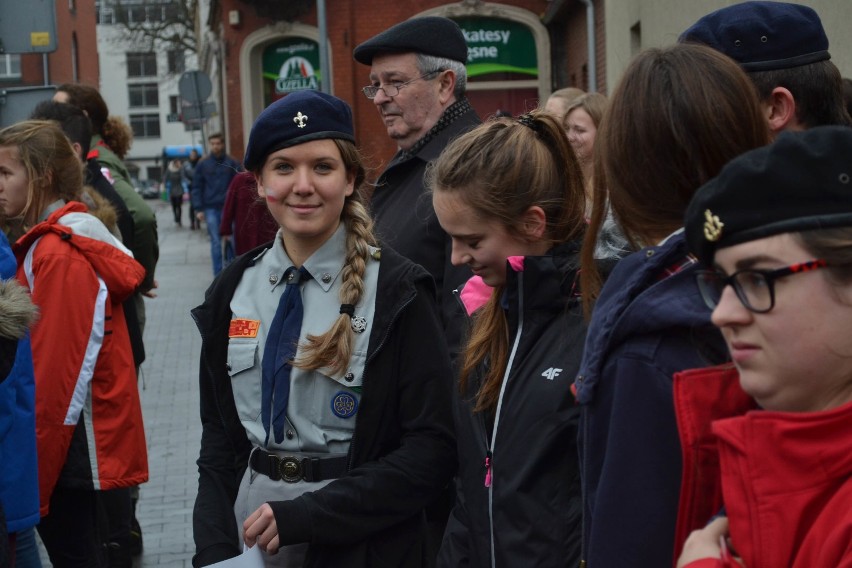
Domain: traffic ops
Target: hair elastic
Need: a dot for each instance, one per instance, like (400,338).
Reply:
(348,309)
(528,121)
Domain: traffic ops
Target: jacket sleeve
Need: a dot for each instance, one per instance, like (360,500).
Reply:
(213,522)
(631,508)
(381,493)
(67,336)
(455,547)
(146,249)
(196,194)
(228,210)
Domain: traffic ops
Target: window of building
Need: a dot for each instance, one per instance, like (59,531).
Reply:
(104,13)
(142,64)
(174,104)
(176,61)
(145,125)
(144,95)
(10,67)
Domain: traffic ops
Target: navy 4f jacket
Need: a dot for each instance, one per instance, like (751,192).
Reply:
(530,513)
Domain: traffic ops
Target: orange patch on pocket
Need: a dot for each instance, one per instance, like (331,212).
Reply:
(243,328)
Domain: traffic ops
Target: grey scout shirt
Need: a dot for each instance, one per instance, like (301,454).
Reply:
(320,417)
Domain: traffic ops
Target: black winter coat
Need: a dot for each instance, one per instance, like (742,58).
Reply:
(405,219)
(531,514)
(402,453)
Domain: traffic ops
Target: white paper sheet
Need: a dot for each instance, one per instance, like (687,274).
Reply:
(250,558)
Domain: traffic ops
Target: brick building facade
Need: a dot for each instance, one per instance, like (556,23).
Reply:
(242,37)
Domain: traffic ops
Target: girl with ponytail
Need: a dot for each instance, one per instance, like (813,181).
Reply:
(510,195)
(325,392)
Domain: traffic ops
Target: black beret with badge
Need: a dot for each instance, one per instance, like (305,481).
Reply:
(297,118)
(802,181)
(429,35)
(763,36)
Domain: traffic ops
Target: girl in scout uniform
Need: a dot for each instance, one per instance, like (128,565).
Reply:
(325,389)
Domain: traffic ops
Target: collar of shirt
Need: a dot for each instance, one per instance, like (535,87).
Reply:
(325,265)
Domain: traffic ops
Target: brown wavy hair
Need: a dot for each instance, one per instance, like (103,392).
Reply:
(676,117)
(501,169)
(53,168)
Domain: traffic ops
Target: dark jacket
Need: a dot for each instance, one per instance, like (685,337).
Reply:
(210,181)
(644,329)
(402,451)
(405,220)
(535,509)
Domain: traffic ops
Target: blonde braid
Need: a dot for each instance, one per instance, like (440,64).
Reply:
(333,349)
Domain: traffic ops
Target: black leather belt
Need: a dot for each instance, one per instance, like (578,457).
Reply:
(293,469)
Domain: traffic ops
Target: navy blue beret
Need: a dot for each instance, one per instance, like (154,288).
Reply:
(762,36)
(801,181)
(429,35)
(295,119)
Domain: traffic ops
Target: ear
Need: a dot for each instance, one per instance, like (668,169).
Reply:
(446,84)
(78,149)
(258,180)
(780,108)
(534,223)
(350,183)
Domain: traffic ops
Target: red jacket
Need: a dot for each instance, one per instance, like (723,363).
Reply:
(83,362)
(787,488)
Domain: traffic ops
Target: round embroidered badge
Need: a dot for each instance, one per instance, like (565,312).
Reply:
(344,405)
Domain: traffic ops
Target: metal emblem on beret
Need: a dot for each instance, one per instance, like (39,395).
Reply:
(344,405)
(359,324)
(712,227)
(301,120)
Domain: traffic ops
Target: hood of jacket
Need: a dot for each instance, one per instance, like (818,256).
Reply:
(636,300)
(112,261)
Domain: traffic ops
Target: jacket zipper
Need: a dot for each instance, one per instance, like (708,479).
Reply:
(370,357)
(489,478)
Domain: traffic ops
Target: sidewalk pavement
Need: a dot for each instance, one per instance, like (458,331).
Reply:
(169,392)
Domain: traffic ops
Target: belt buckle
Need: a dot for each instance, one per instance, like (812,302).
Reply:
(290,469)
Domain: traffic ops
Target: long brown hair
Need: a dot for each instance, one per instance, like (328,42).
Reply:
(112,129)
(501,169)
(676,117)
(53,168)
(333,349)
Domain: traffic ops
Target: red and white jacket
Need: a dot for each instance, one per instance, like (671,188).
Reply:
(78,277)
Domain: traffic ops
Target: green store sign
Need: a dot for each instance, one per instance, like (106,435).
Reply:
(292,64)
(498,46)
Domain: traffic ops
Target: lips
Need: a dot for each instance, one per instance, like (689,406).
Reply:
(742,351)
(303,208)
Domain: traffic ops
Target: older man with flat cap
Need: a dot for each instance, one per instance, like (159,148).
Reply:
(784,50)
(417,82)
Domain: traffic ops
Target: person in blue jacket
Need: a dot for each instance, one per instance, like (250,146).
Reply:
(19,498)
(676,117)
(210,183)
(516,420)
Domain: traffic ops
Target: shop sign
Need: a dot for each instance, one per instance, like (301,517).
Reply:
(292,64)
(495,45)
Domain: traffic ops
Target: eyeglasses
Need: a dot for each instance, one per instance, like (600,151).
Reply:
(754,288)
(393,89)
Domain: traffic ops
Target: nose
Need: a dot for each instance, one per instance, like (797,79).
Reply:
(730,310)
(459,255)
(302,181)
(380,98)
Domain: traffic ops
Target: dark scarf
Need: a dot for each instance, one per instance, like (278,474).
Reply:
(453,113)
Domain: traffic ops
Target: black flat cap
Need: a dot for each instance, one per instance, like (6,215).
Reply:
(802,181)
(762,36)
(297,118)
(430,35)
